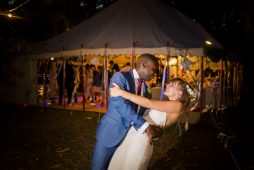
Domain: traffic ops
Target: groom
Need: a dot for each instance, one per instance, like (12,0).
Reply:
(122,113)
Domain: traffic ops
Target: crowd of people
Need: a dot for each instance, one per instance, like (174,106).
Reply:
(69,75)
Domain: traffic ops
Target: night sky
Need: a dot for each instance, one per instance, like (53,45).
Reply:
(224,19)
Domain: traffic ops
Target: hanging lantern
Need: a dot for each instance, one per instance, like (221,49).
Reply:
(185,64)
(172,61)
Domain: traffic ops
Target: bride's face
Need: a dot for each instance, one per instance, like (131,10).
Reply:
(173,91)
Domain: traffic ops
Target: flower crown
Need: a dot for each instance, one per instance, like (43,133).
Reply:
(193,94)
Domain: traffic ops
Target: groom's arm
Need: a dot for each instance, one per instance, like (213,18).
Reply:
(125,107)
(127,111)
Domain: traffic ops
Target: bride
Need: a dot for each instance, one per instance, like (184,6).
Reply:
(135,151)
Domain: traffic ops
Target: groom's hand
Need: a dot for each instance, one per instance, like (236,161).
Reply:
(153,132)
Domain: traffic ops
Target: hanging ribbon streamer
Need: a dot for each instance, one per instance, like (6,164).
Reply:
(163,80)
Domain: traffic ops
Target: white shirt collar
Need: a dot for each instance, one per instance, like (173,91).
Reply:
(135,74)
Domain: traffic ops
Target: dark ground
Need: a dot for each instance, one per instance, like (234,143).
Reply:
(32,138)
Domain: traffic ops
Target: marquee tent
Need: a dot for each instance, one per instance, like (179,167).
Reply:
(126,27)
(130,25)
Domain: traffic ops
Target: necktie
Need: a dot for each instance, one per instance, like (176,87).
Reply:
(139,87)
(139,84)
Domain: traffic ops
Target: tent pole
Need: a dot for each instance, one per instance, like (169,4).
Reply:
(45,83)
(133,56)
(163,79)
(201,102)
(232,83)
(38,92)
(221,82)
(105,63)
(165,71)
(226,83)
(82,78)
(64,65)
(237,81)
(168,57)
(83,86)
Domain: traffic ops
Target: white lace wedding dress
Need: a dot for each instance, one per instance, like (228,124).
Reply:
(135,151)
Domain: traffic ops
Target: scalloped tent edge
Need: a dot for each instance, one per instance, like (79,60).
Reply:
(127,27)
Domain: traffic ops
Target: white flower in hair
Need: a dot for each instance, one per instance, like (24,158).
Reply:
(193,94)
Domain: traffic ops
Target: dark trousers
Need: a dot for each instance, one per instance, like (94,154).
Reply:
(69,88)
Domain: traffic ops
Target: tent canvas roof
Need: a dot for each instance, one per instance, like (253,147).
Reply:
(149,25)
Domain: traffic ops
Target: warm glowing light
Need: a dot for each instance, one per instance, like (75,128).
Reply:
(9,15)
(172,61)
(52,58)
(208,42)
(40,90)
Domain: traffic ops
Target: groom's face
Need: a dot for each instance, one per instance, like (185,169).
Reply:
(148,70)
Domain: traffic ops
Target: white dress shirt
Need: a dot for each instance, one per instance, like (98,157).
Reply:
(136,77)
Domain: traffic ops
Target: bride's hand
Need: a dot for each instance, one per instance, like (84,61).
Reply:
(115,91)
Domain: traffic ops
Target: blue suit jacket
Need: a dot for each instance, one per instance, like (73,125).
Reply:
(121,113)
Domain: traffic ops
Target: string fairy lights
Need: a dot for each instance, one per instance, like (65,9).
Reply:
(9,14)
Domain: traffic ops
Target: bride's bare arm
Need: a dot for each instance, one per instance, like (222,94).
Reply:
(171,118)
(163,106)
